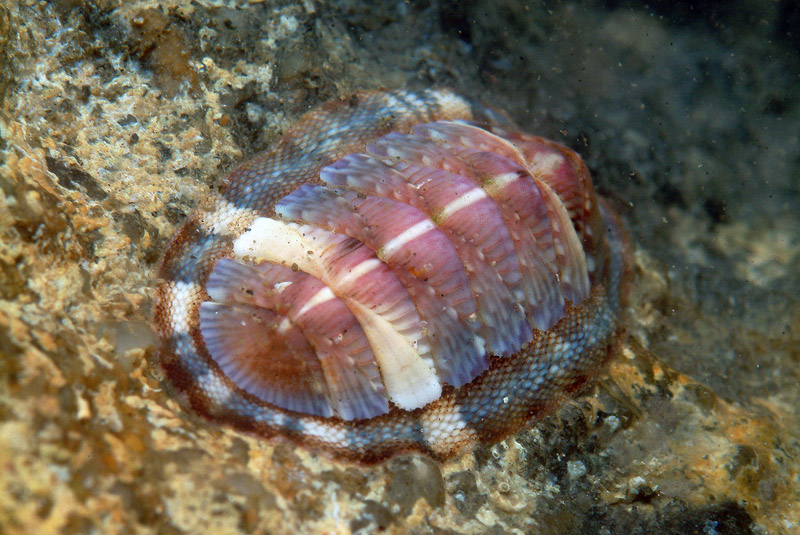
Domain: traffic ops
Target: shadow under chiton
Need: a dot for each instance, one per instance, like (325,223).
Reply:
(400,272)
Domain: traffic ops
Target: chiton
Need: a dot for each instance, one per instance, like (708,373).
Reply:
(400,272)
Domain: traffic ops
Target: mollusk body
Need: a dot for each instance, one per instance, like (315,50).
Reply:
(399,273)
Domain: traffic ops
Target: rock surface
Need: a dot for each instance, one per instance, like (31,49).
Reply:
(118,116)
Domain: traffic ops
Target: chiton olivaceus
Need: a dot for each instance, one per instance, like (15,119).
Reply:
(400,272)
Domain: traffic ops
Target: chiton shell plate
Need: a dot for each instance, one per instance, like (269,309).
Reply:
(402,271)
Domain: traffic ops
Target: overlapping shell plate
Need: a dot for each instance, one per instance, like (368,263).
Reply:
(359,290)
